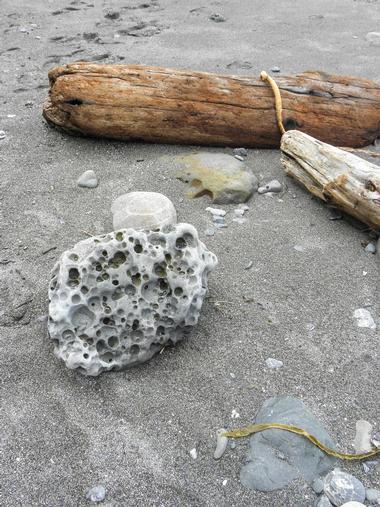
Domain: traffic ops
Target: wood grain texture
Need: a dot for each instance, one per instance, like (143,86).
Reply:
(161,105)
(335,176)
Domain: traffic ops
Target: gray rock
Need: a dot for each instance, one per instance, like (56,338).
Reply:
(265,471)
(117,299)
(210,231)
(275,69)
(362,441)
(96,494)
(373,38)
(220,175)
(341,487)
(373,495)
(240,152)
(324,502)
(2,134)
(369,466)
(221,444)
(88,180)
(218,18)
(370,248)
(317,485)
(272,186)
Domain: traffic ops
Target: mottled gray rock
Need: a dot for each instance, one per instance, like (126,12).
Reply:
(341,487)
(88,180)
(143,210)
(324,502)
(373,495)
(218,18)
(222,176)
(265,470)
(117,299)
(96,494)
(240,152)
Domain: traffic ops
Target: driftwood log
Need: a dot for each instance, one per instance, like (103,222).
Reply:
(335,176)
(135,102)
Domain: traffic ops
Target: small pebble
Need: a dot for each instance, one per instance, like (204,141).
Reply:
(376,439)
(275,69)
(218,219)
(240,152)
(239,212)
(2,134)
(235,414)
(220,225)
(317,485)
(218,18)
(370,248)
(273,186)
(96,494)
(373,38)
(225,482)
(210,232)
(194,453)
(232,444)
(221,444)
(217,211)
(249,265)
(274,364)
(88,180)
(362,441)
(373,495)
(240,220)
(324,502)
(299,248)
(369,466)
(353,504)
(239,157)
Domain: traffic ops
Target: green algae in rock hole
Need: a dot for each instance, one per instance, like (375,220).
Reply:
(224,178)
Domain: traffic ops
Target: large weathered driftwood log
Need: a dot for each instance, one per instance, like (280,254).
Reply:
(335,176)
(135,102)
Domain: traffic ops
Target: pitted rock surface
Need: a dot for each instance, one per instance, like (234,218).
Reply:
(116,299)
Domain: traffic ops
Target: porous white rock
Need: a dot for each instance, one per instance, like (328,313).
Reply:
(117,299)
(143,210)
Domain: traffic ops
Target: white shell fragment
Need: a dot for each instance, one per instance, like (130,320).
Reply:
(364,318)
(117,299)
(221,444)
(143,210)
(88,180)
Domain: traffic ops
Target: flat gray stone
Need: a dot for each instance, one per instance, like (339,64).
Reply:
(373,38)
(278,457)
(341,487)
(96,494)
(373,495)
(324,502)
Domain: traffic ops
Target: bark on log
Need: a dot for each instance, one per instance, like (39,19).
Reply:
(335,176)
(135,102)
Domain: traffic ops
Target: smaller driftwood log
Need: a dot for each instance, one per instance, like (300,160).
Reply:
(335,176)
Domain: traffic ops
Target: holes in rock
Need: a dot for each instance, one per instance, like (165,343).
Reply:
(160,331)
(119,236)
(113,341)
(189,239)
(130,290)
(137,335)
(67,334)
(84,289)
(118,294)
(73,273)
(135,324)
(290,124)
(180,243)
(86,356)
(82,317)
(75,299)
(178,291)
(138,248)
(74,102)
(145,277)
(94,303)
(157,240)
(135,349)
(73,257)
(136,279)
(117,260)
(107,357)
(160,269)
(100,346)
(115,282)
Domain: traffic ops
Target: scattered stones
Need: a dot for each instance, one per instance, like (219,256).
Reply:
(373,495)
(96,494)
(370,466)
(274,364)
(275,69)
(362,441)
(370,248)
(364,318)
(88,180)
(216,212)
(193,453)
(265,470)
(2,134)
(273,186)
(117,299)
(221,176)
(373,38)
(221,444)
(218,18)
(324,502)
(341,487)
(143,210)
